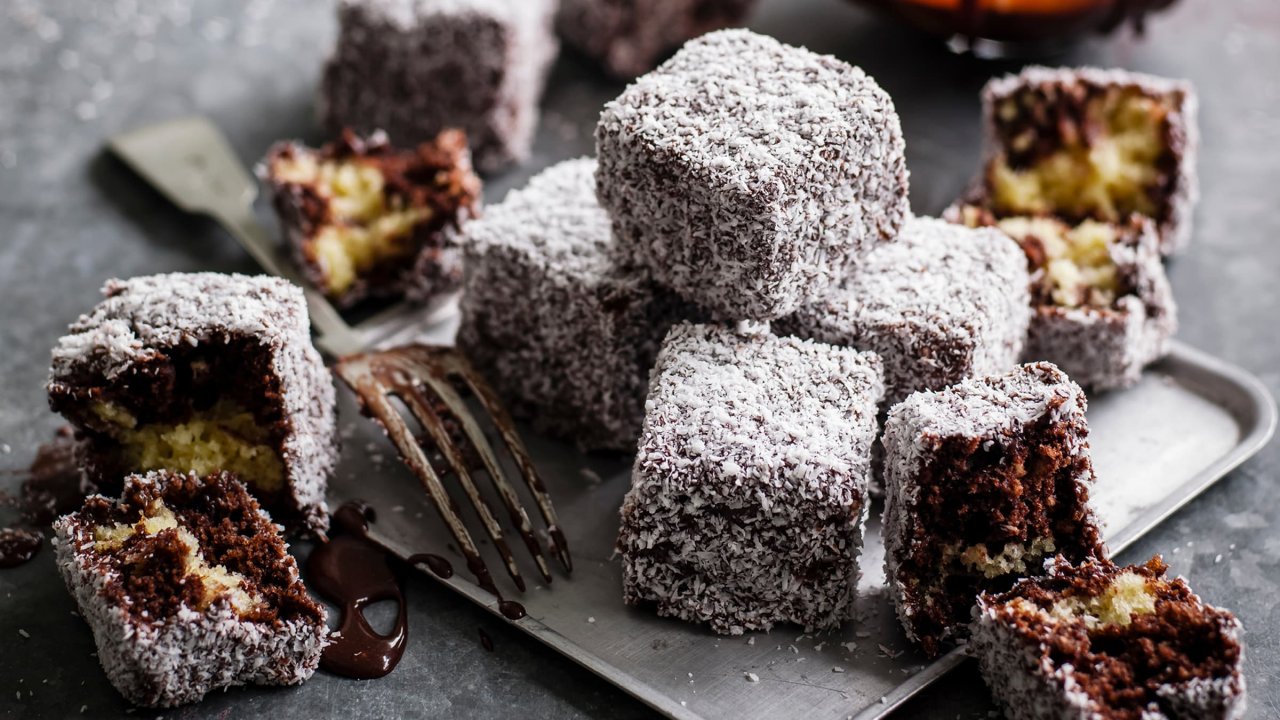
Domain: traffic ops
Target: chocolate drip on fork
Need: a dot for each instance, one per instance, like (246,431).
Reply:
(427,380)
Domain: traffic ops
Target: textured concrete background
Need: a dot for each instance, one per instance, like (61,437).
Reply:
(74,71)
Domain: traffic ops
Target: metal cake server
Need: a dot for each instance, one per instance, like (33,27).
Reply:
(192,164)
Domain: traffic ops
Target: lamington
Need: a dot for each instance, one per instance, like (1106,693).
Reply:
(1101,641)
(629,37)
(983,482)
(749,492)
(188,587)
(417,67)
(1090,144)
(202,372)
(363,219)
(1103,306)
(939,304)
(562,329)
(749,176)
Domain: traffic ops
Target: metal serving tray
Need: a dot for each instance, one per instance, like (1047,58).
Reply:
(1156,446)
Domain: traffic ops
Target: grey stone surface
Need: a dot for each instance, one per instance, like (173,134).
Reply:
(74,71)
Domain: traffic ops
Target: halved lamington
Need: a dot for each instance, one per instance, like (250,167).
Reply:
(1100,641)
(364,219)
(188,587)
(202,372)
(564,331)
(417,67)
(983,482)
(939,304)
(1089,144)
(749,176)
(1103,306)
(629,37)
(749,492)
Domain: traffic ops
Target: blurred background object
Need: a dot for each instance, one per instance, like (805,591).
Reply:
(1018,28)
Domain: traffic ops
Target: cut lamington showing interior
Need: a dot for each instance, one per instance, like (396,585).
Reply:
(363,219)
(202,372)
(563,330)
(939,304)
(188,587)
(1103,306)
(629,37)
(983,482)
(749,492)
(1089,144)
(1101,641)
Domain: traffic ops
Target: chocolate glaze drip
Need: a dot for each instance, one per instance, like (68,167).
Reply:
(440,567)
(485,640)
(511,609)
(53,485)
(18,546)
(352,571)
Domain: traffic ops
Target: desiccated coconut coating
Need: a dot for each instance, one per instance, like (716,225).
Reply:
(983,481)
(416,67)
(188,587)
(564,333)
(749,491)
(629,37)
(1125,142)
(749,176)
(1099,641)
(202,368)
(939,304)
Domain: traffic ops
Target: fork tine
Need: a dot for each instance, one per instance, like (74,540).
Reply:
(461,368)
(358,372)
(421,408)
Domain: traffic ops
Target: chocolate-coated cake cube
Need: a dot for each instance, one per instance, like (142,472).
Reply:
(363,219)
(417,67)
(939,304)
(629,37)
(1101,641)
(564,332)
(749,492)
(1103,306)
(202,372)
(188,588)
(1090,144)
(748,175)
(983,482)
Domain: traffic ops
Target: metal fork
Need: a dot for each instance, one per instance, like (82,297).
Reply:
(191,163)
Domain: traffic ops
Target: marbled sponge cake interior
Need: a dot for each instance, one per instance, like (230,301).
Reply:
(202,372)
(1097,640)
(188,587)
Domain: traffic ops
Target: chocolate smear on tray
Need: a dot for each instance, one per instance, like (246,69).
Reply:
(485,640)
(352,571)
(52,485)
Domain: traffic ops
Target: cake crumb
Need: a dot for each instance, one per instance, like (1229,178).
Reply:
(591,476)
(862,634)
(25,635)
(837,669)
(752,677)
(591,619)
(752,640)
(850,646)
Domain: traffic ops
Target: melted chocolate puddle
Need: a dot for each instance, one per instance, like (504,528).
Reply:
(53,485)
(353,571)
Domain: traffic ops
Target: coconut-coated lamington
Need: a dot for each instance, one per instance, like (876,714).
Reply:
(188,588)
(629,37)
(1091,144)
(939,304)
(749,492)
(417,67)
(983,482)
(564,332)
(1103,306)
(748,175)
(364,219)
(202,372)
(1101,641)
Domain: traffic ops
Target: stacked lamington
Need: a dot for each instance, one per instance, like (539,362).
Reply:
(1093,173)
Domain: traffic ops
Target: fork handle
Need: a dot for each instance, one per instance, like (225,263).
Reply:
(336,337)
